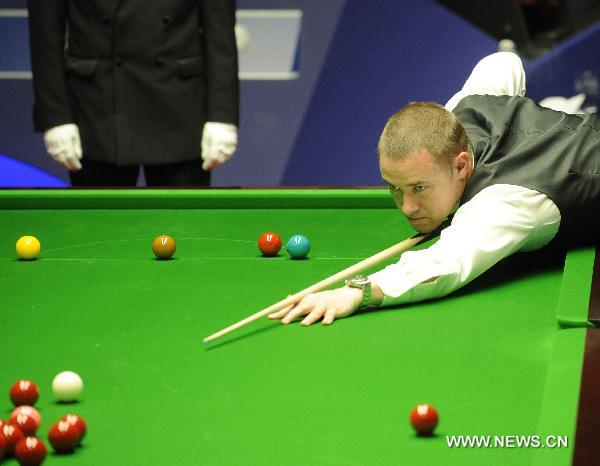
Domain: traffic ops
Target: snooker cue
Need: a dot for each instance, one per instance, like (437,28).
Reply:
(365,264)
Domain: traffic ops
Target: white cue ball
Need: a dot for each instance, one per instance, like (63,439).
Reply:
(67,386)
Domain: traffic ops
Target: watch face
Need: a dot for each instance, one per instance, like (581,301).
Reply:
(360,280)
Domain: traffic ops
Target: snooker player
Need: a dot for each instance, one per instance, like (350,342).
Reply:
(515,175)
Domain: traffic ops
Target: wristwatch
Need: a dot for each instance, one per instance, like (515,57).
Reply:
(362,282)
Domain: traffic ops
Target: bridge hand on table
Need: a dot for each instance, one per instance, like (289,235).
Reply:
(327,305)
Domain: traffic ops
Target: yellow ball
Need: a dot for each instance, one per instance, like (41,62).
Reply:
(28,247)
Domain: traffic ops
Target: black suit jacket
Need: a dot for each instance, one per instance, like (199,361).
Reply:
(138,77)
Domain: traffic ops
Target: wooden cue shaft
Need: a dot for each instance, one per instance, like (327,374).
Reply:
(324,284)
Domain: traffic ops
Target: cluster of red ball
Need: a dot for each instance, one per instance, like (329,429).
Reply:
(18,435)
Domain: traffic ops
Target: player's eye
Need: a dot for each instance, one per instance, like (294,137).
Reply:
(394,189)
(419,188)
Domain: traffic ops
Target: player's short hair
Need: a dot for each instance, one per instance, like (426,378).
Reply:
(423,125)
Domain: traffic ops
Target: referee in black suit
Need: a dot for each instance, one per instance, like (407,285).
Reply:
(121,84)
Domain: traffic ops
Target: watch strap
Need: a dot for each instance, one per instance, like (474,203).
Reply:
(362,282)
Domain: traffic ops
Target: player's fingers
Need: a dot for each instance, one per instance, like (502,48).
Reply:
(314,315)
(300,309)
(283,312)
(329,316)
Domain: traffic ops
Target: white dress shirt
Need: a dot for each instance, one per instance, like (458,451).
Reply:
(497,222)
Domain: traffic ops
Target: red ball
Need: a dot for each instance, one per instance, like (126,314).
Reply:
(269,244)
(25,422)
(78,422)
(424,418)
(3,446)
(29,411)
(24,392)
(63,436)
(30,451)
(12,435)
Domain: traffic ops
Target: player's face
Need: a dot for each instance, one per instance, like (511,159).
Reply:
(424,191)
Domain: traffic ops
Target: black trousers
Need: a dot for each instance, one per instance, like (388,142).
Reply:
(97,174)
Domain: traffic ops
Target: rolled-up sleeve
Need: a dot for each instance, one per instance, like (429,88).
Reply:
(501,73)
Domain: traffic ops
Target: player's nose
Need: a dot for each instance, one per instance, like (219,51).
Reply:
(410,206)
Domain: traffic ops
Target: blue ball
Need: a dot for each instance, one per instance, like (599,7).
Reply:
(298,246)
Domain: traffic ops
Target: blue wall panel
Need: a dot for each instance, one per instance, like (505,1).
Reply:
(555,72)
(381,58)
(13,37)
(16,131)
(272,112)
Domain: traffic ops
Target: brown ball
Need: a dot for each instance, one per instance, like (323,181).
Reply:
(163,247)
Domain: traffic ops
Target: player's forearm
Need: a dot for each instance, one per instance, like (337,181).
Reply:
(499,221)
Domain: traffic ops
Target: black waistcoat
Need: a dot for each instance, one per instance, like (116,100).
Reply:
(518,142)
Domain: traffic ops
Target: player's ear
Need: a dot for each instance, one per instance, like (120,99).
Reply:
(462,163)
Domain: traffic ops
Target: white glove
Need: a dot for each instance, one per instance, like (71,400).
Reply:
(219,141)
(64,146)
